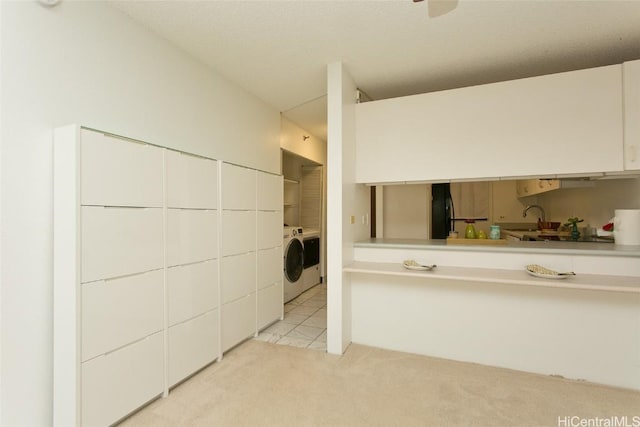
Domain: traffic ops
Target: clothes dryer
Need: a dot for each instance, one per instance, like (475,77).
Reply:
(293,262)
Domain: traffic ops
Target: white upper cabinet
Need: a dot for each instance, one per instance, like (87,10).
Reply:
(556,124)
(238,187)
(192,182)
(270,192)
(120,172)
(631,76)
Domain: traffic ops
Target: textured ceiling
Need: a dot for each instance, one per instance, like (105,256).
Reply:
(278,50)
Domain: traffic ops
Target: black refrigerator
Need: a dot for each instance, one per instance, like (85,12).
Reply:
(442,211)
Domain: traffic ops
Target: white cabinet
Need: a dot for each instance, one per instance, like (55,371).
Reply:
(238,232)
(238,321)
(269,229)
(140,269)
(191,290)
(238,187)
(192,182)
(120,241)
(192,235)
(120,172)
(505,205)
(117,383)
(270,192)
(270,304)
(140,312)
(238,276)
(270,266)
(269,257)
(533,126)
(192,345)
(631,82)
(114,237)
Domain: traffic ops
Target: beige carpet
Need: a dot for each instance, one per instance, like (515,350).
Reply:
(264,384)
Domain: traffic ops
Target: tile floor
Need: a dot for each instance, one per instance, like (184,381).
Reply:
(305,321)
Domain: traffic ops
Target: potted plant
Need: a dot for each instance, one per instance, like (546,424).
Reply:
(573,222)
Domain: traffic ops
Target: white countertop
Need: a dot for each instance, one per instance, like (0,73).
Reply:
(593,282)
(546,247)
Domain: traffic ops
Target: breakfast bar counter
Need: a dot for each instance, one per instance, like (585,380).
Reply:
(480,305)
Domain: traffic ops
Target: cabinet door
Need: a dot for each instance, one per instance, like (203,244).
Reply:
(457,134)
(192,345)
(238,232)
(270,192)
(269,229)
(120,241)
(116,384)
(238,321)
(270,304)
(237,276)
(238,187)
(631,75)
(270,266)
(192,235)
(191,290)
(120,311)
(119,172)
(192,182)
(506,207)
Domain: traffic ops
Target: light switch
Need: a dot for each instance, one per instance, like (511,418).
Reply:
(353,219)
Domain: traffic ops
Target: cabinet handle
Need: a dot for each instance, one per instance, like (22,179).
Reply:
(632,153)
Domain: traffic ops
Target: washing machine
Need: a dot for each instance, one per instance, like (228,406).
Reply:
(293,245)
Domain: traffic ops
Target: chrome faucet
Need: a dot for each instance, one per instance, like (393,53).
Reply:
(524,212)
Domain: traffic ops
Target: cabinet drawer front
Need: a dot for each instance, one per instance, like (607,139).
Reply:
(192,290)
(192,236)
(120,241)
(238,321)
(192,182)
(116,384)
(270,267)
(238,232)
(238,187)
(120,311)
(117,172)
(192,345)
(238,276)
(270,304)
(270,192)
(269,229)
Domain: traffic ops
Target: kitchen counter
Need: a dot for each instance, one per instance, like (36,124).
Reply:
(541,247)
(479,305)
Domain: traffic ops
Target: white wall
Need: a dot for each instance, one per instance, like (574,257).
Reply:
(594,204)
(87,63)
(346,199)
(406,211)
(291,139)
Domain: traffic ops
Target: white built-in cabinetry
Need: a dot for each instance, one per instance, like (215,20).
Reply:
(631,82)
(192,264)
(162,260)
(238,263)
(566,123)
(269,249)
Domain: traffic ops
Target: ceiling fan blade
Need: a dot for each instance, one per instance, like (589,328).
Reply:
(440,7)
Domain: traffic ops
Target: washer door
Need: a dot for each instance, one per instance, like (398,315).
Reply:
(294,261)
